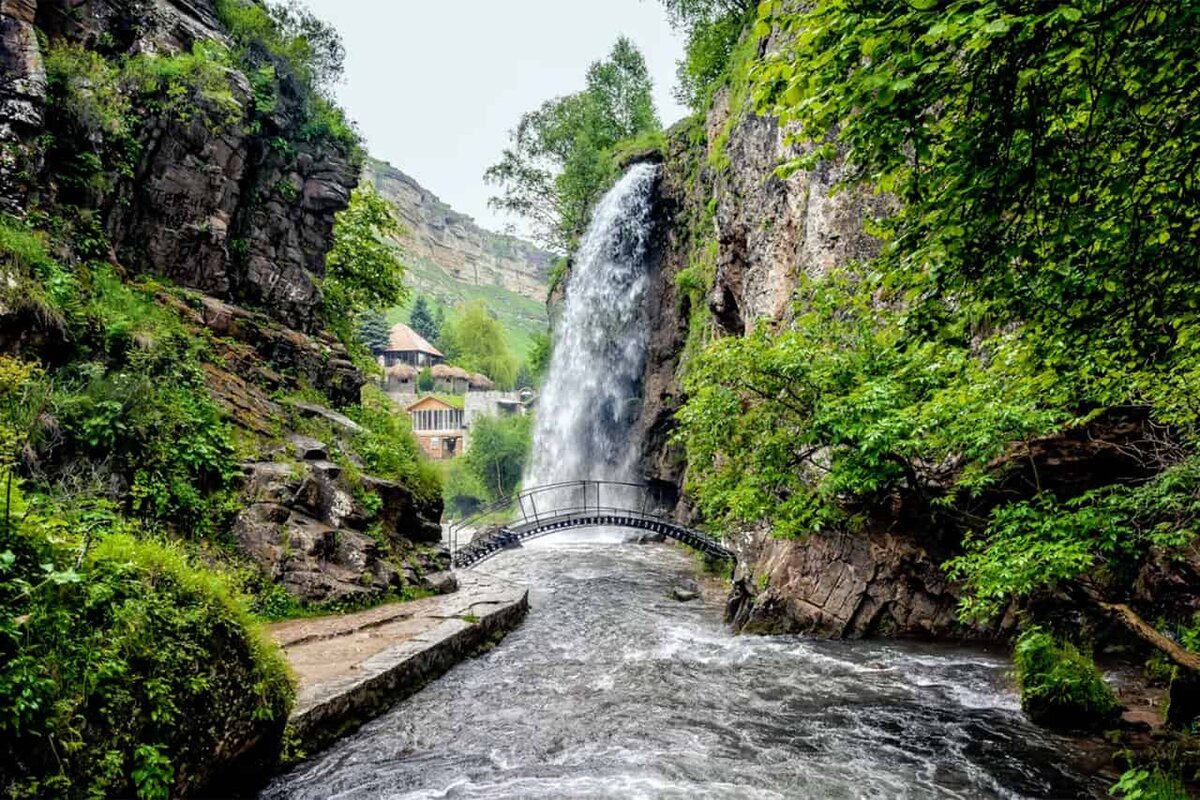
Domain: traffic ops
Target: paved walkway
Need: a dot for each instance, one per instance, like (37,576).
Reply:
(353,667)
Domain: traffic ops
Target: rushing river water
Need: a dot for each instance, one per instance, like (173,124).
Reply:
(612,689)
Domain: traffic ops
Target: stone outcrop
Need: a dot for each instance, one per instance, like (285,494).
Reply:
(22,100)
(770,232)
(843,585)
(237,206)
(304,527)
(453,243)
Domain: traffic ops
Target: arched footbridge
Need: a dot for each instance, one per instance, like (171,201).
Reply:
(564,506)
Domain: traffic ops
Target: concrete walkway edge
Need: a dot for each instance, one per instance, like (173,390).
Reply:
(442,631)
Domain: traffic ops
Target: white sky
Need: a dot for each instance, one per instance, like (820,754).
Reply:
(436,86)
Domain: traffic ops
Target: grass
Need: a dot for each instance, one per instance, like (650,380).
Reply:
(522,317)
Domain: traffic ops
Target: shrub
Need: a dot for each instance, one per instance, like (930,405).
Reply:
(137,673)
(1061,687)
(1144,784)
(387,446)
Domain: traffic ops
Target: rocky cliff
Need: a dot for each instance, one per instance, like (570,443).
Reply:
(451,241)
(736,237)
(233,197)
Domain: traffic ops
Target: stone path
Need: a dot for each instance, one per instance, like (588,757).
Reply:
(354,667)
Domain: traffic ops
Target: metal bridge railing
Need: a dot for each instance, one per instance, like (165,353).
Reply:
(555,500)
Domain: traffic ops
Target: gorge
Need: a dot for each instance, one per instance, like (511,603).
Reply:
(897,328)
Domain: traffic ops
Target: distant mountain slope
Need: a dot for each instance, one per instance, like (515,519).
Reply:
(454,260)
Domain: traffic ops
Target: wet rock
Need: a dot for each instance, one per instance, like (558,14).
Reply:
(337,419)
(684,595)
(307,448)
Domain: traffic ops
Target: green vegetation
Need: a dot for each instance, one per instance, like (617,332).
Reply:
(1060,686)
(1145,784)
(122,655)
(131,663)
(363,272)
(474,340)
(522,318)
(387,447)
(271,38)
(1034,275)
(491,469)
(119,661)
(424,321)
(1030,177)
(712,29)
(560,159)
(374,331)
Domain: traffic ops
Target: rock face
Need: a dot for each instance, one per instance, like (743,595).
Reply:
(239,210)
(304,527)
(843,585)
(22,100)
(769,234)
(237,204)
(453,243)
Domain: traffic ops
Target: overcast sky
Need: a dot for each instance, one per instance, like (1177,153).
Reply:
(435,87)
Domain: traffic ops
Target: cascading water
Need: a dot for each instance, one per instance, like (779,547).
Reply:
(612,689)
(593,389)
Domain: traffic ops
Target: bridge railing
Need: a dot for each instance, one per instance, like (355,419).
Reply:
(546,502)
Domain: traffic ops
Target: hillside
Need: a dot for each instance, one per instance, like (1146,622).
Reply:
(454,260)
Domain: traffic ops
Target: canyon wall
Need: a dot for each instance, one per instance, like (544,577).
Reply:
(453,242)
(725,209)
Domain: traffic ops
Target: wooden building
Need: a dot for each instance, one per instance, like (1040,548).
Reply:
(438,426)
(406,346)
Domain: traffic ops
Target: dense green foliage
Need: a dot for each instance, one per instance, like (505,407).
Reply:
(271,37)
(120,661)
(474,340)
(712,29)
(374,331)
(499,448)
(1060,686)
(121,658)
(363,271)
(559,161)
(492,467)
(1038,269)
(538,358)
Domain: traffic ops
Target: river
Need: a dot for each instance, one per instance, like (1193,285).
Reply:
(611,689)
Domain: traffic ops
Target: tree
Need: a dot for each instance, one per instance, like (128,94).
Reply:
(374,331)
(362,271)
(498,452)
(421,320)
(558,161)
(475,340)
(425,380)
(538,358)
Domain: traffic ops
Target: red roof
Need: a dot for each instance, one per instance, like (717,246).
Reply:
(404,339)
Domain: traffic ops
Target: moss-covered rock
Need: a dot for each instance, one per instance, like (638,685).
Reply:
(1060,686)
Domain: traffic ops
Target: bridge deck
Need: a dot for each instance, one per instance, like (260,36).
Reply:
(530,523)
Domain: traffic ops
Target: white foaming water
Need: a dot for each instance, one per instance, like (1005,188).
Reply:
(612,689)
(593,388)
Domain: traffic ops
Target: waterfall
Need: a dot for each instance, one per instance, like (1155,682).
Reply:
(593,390)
